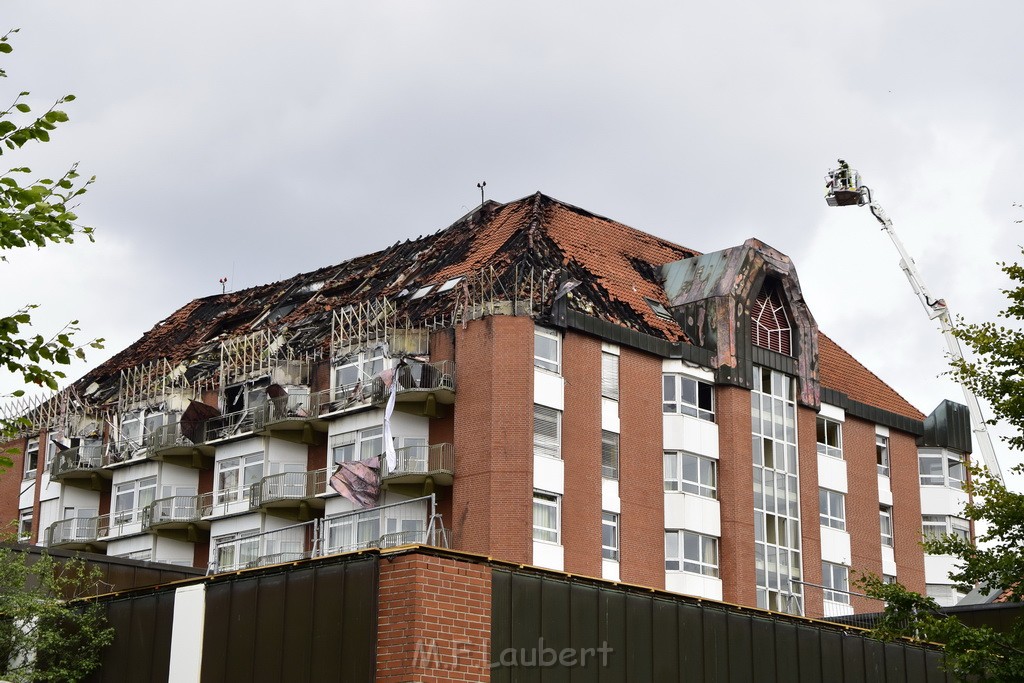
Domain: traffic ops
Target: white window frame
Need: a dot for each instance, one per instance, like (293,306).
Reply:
(542,533)
(609,455)
(367,363)
(826,447)
(675,386)
(25,518)
(544,444)
(247,540)
(132,493)
(680,556)
(361,442)
(241,465)
(609,536)
(882,457)
(542,336)
(31,447)
(832,509)
(835,579)
(610,376)
(678,466)
(937,526)
(951,473)
(885,523)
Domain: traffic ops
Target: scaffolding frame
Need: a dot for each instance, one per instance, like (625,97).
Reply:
(149,381)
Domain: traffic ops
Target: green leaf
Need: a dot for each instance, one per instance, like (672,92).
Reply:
(6,48)
(23,108)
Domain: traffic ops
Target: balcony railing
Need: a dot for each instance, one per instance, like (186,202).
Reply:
(122,451)
(296,407)
(175,511)
(120,523)
(81,460)
(225,502)
(416,463)
(387,526)
(287,488)
(236,424)
(169,443)
(418,380)
(76,531)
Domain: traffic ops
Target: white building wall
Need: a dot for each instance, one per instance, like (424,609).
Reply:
(187,624)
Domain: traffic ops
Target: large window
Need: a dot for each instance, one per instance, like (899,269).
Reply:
(236,475)
(609,455)
(357,445)
(689,473)
(691,552)
(777,551)
(941,468)
(836,580)
(235,551)
(547,349)
(610,536)
(830,437)
(31,458)
(610,375)
(882,454)
(130,497)
(687,396)
(353,374)
(885,519)
(769,324)
(937,526)
(547,508)
(832,509)
(547,431)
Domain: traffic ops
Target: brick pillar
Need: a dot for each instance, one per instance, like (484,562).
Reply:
(906,510)
(581,452)
(641,489)
(736,495)
(492,500)
(434,620)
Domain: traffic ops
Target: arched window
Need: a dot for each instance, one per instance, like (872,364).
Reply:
(769,325)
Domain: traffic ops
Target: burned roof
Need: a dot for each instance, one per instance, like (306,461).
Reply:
(614,270)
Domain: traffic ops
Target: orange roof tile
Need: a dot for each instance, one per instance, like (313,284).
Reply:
(840,371)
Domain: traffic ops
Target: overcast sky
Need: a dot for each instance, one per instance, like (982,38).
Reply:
(255,140)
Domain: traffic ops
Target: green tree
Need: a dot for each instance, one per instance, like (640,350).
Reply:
(36,212)
(997,564)
(42,638)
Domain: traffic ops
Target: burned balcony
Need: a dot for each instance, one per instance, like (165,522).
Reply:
(293,416)
(234,425)
(294,494)
(171,444)
(80,465)
(179,517)
(78,533)
(421,388)
(122,452)
(421,465)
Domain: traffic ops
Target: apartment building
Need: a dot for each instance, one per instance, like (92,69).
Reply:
(534,383)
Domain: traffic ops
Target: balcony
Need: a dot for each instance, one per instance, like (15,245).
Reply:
(79,533)
(234,425)
(179,517)
(423,388)
(388,526)
(225,502)
(421,466)
(119,523)
(294,417)
(123,452)
(80,466)
(169,444)
(290,493)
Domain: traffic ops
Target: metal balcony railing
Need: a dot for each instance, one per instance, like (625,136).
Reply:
(415,378)
(172,510)
(421,460)
(238,423)
(387,526)
(123,450)
(73,531)
(86,457)
(288,486)
(168,436)
(225,501)
(120,523)
(298,406)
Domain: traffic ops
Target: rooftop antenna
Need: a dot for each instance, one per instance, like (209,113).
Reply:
(482,184)
(223,284)
(843,187)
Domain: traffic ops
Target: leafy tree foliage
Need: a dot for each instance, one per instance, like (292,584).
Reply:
(35,212)
(42,638)
(997,564)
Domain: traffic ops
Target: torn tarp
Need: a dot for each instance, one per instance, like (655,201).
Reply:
(358,481)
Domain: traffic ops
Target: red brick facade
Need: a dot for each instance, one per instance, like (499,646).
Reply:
(736,495)
(434,620)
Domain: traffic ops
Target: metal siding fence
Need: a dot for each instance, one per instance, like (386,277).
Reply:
(310,624)
(655,637)
(141,650)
